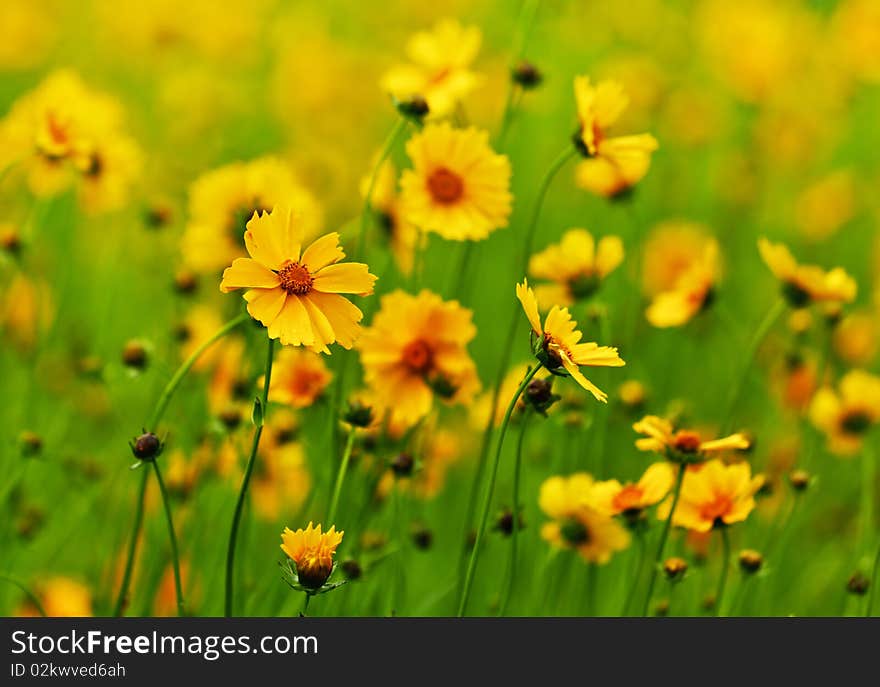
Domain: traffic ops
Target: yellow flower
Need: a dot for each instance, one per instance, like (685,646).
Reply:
(691,292)
(282,482)
(669,252)
(560,344)
(61,597)
(826,205)
(27,309)
(458,186)
(714,493)
(661,437)
(402,235)
(439,67)
(804,284)
(577,265)
(613,498)
(298,378)
(222,201)
(615,163)
(107,173)
(576,524)
(416,348)
(846,416)
(295,293)
(857,338)
(312,552)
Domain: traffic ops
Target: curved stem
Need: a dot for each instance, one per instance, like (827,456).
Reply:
(155,418)
(725,565)
(175,559)
(872,585)
(305,606)
(664,535)
(340,478)
(490,489)
(514,534)
(14,581)
(249,468)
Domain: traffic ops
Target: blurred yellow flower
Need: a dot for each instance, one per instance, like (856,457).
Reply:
(826,205)
(856,35)
(28,32)
(576,523)
(295,292)
(27,309)
(61,597)
(714,494)
(299,377)
(682,444)
(439,69)
(458,186)
(691,292)
(613,498)
(559,341)
(312,552)
(479,411)
(282,480)
(402,235)
(669,252)
(577,265)
(415,349)
(803,284)
(848,414)
(856,337)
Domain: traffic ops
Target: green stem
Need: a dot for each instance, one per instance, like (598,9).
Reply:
(340,478)
(305,606)
(121,599)
(366,210)
(866,508)
(27,592)
(490,489)
(872,585)
(175,558)
(524,26)
(634,581)
(725,565)
(664,535)
(514,534)
(259,418)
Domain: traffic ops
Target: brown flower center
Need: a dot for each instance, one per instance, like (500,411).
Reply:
(630,497)
(446,187)
(855,422)
(717,508)
(295,278)
(686,441)
(417,356)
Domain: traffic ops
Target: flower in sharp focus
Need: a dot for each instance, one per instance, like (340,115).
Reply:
(614,164)
(312,553)
(714,494)
(847,414)
(682,445)
(613,498)
(805,284)
(458,186)
(691,293)
(439,67)
(299,377)
(558,343)
(575,523)
(576,267)
(416,349)
(295,292)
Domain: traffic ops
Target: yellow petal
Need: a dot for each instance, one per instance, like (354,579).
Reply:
(573,370)
(325,251)
(245,273)
(265,304)
(527,298)
(293,326)
(348,277)
(342,315)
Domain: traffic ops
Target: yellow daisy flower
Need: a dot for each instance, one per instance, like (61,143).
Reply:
(691,293)
(576,266)
(804,284)
(559,342)
(299,378)
(613,498)
(458,186)
(439,67)
(312,553)
(295,292)
(415,349)
(576,524)
(848,414)
(685,445)
(712,494)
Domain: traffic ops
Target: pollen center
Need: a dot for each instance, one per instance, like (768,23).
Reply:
(717,508)
(628,498)
(686,442)
(417,356)
(295,278)
(446,187)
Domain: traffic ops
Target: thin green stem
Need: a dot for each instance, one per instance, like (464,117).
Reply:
(121,599)
(664,535)
(514,533)
(490,490)
(725,566)
(524,27)
(872,585)
(305,606)
(866,501)
(175,558)
(636,574)
(14,581)
(259,418)
(340,478)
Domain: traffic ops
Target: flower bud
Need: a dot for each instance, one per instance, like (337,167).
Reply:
(416,108)
(858,584)
(675,568)
(539,395)
(31,444)
(10,240)
(750,561)
(799,479)
(358,414)
(185,282)
(230,417)
(402,464)
(146,447)
(504,522)
(422,537)
(134,355)
(526,75)
(351,569)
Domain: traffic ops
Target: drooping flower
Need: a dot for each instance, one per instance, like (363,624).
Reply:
(613,498)
(576,266)
(439,69)
(558,343)
(714,494)
(691,292)
(458,186)
(222,201)
(295,292)
(312,552)
(614,164)
(416,349)
(576,524)
(682,445)
(299,378)
(805,284)
(848,414)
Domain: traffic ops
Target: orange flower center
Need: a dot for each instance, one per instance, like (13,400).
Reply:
(446,187)
(686,441)
(629,498)
(440,76)
(417,356)
(57,131)
(295,278)
(717,508)
(307,384)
